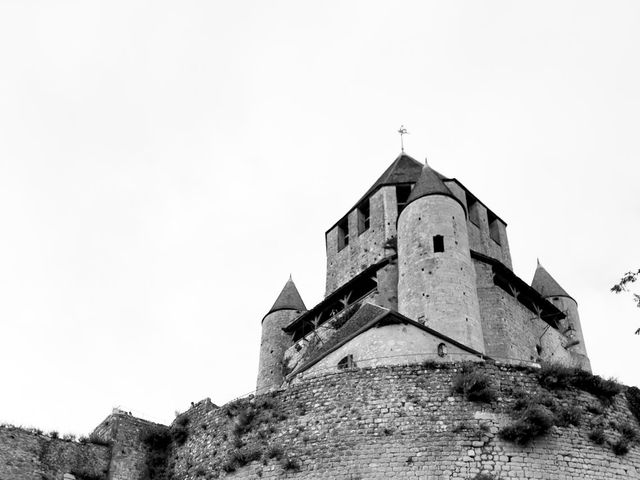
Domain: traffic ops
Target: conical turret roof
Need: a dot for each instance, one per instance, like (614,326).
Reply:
(430,183)
(546,285)
(289,299)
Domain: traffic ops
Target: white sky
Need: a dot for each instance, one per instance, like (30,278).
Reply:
(164,167)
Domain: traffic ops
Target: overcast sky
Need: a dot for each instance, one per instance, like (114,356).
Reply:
(164,167)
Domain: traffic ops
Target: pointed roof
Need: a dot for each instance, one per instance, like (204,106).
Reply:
(367,317)
(546,285)
(403,170)
(289,299)
(430,183)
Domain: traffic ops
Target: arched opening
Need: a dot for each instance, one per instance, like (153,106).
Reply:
(442,350)
(346,362)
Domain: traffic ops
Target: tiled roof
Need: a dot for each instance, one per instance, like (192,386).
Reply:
(546,285)
(366,317)
(289,299)
(430,183)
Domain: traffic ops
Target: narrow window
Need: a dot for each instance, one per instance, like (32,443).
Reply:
(438,244)
(343,233)
(539,349)
(346,362)
(402,195)
(473,207)
(442,350)
(494,227)
(364,213)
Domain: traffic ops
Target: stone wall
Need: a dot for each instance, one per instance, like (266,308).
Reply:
(366,248)
(396,344)
(399,422)
(129,454)
(25,455)
(438,288)
(513,332)
(479,228)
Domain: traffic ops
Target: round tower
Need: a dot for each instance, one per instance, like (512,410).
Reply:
(275,341)
(437,279)
(571,327)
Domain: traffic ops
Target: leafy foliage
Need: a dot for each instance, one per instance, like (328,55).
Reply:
(597,436)
(621,286)
(157,440)
(533,422)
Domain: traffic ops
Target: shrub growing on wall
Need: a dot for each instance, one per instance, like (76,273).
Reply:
(475,385)
(554,377)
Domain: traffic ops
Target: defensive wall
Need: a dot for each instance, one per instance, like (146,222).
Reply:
(29,455)
(403,422)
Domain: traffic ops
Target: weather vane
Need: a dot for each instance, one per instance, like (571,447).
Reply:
(402,131)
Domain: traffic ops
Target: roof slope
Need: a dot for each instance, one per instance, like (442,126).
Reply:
(403,170)
(289,299)
(430,183)
(546,285)
(368,316)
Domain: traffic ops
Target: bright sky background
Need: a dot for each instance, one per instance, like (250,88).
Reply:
(164,167)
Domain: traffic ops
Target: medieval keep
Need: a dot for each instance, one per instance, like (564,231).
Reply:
(418,269)
(419,285)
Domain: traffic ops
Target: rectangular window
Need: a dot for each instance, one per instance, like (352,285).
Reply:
(473,207)
(364,216)
(402,195)
(438,244)
(494,227)
(343,233)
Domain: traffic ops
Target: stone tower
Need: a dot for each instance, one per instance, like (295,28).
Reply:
(437,280)
(551,290)
(275,341)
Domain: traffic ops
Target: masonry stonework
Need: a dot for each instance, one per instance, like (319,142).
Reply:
(419,287)
(438,288)
(403,422)
(26,455)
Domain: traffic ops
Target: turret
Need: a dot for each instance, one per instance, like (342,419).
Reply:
(437,280)
(275,341)
(551,290)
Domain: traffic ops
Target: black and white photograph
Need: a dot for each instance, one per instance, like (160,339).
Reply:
(355,240)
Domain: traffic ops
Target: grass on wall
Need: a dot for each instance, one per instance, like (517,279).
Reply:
(554,376)
(535,415)
(253,422)
(474,384)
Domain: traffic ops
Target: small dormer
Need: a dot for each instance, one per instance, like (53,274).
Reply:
(363,236)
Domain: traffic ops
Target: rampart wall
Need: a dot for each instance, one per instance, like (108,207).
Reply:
(26,455)
(400,422)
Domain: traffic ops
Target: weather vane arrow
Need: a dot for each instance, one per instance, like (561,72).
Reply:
(402,131)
